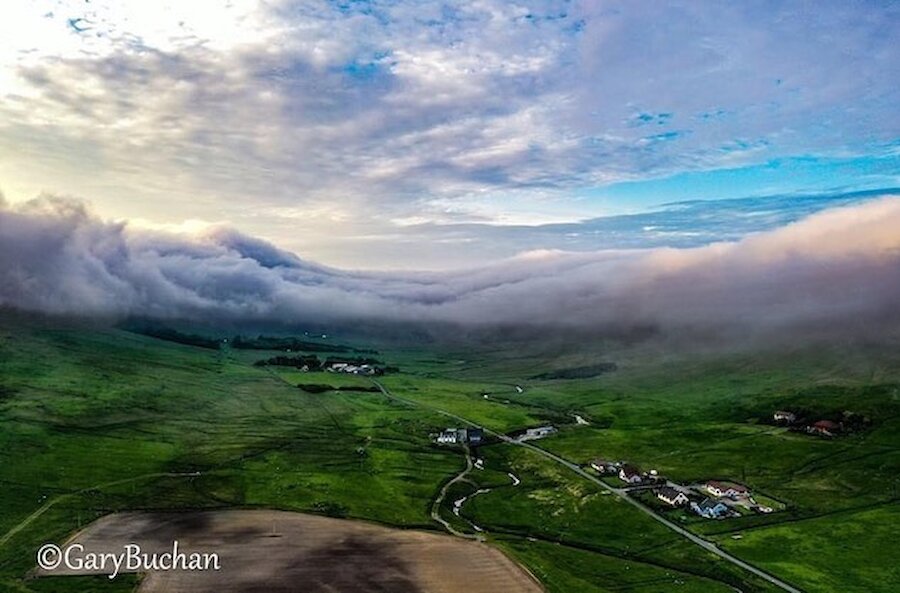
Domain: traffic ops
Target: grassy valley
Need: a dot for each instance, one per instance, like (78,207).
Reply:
(97,420)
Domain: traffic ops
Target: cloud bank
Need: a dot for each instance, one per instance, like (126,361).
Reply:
(835,269)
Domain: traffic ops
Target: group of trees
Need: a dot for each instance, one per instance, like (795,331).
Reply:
(291,344)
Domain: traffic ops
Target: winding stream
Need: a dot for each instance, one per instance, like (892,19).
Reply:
(458,504)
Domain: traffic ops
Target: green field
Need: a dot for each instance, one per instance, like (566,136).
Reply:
(96,420)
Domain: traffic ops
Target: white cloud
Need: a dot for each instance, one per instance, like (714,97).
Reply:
(392,111)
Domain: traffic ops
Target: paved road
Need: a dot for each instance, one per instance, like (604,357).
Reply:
(703,543)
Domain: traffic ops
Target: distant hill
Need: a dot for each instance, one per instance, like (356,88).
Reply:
(583,372)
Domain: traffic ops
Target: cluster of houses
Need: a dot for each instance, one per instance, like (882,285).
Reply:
(705,500)
(713,499)
(706,507)
(630,474)
(353,369)
(823,428)
(459,436)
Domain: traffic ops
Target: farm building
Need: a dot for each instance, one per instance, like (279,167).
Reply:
(824,428)
(539,432)
(603,466)
(672,496)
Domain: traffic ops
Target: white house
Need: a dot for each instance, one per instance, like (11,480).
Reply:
(448,437)
(672,496)
(784,416)
(455,436)
(630,474)
(720,489)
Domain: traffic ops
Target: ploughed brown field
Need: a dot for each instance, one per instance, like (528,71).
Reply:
(279,552)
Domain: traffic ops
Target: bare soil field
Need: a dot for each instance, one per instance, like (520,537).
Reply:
(264,551)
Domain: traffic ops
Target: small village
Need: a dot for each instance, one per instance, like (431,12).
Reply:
(310,363)
(719,499)
(354,369)
(710,499)
(822,428)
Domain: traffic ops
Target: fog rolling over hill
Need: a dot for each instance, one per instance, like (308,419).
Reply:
(566,296)
(834,272)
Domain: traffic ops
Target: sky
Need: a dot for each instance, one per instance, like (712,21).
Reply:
(434,135)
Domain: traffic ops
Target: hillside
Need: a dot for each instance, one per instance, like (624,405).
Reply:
(98,420)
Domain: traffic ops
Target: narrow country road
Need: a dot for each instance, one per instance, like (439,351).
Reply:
(56,499)
(696,539)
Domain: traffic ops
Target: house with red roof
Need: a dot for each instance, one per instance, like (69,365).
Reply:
(825,428)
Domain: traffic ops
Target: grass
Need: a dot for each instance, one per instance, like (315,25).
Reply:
(808,551)
(96,420)
(554,505)
(123,583)
(564,569)
(321,378)
(699,419)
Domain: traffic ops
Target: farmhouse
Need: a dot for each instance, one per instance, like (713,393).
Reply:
(631,474)
(672,496)
(603,466)
(458,436)
(709,508)
(824,428)
(730,490)
(784,416)
(449,436)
